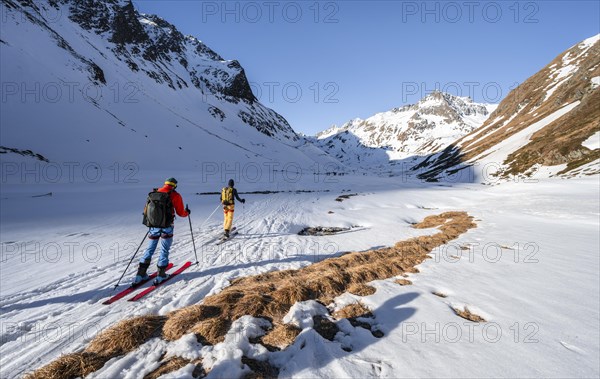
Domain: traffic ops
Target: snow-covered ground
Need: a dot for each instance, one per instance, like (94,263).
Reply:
(531,269)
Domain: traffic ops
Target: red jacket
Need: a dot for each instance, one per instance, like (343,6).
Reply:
(176,199)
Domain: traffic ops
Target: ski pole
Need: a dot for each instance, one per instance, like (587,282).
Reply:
(208,218)
(131,260)
(192,233)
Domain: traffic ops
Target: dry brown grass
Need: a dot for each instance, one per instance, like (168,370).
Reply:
(120,339)
(404,282)
(126,336)
(467,314)
(170,365)
(70,366)
(211,331)
(291,292)
(560,141)
(361,289)
(439,294)
(433,221)
(353,310)
(180,321)
(270,295)
(281,336)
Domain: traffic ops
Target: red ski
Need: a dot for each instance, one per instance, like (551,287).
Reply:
(132,288)
(181,269)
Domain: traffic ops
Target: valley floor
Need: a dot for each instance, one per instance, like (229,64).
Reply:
(530,268)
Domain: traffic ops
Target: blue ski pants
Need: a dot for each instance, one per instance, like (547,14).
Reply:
(165,235)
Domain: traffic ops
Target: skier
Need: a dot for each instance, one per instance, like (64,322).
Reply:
(228,196)
(159,215)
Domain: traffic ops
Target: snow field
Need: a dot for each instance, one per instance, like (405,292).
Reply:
(537,290)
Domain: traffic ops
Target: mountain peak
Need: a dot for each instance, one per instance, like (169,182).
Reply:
(444,96)
(149,78)
(428,126)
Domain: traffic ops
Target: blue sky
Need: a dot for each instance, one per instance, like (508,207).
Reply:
(324,63)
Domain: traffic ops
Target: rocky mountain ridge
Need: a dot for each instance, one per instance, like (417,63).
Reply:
(425,127)
(543,127)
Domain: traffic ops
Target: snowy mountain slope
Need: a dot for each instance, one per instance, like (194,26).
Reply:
(548,117)
(413,130)
(117,86)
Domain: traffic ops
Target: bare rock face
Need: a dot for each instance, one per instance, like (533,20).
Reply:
(151,45)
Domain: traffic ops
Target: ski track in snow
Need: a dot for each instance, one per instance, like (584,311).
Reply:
(43,318)
(63,301)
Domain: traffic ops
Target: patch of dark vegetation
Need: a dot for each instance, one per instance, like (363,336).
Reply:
(260,369)
(25,153)
(267,192)
(97,73)
(216,113)
(43,195)
(325,327)
(322,231)
(345,197)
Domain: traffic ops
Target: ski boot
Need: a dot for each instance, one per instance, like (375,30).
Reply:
(161,277)
(141,274)
(226,234)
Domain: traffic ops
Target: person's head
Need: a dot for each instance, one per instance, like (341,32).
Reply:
(171,182)
(231,183)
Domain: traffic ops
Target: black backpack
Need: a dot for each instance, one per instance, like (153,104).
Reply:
(158,212)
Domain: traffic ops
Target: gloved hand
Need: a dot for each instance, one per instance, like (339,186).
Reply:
(188,210)
(243,201)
